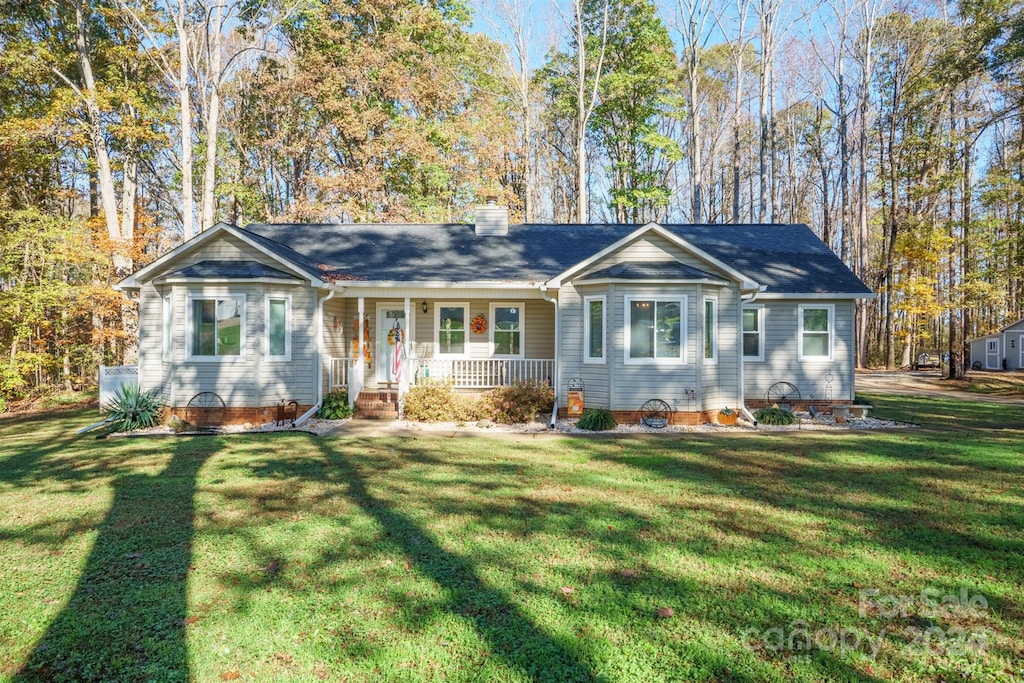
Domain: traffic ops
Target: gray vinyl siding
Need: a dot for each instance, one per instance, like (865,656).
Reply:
(634,384)
(596,377)
(978,349)
(617,385)
(654,248)
(247,381)
(720,380)
(1012,343)
(153,369)
(781,358)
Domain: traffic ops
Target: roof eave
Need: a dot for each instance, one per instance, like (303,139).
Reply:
(140,277)
(652,281)
(744,281)
(817,295)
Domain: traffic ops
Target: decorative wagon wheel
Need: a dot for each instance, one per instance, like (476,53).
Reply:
(782,392)
(655,413)
(205,409)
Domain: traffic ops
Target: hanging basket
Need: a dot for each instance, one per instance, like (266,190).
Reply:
(478,324)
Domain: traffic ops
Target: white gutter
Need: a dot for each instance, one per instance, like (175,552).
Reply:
(558,348)
(319,361)
(747,298)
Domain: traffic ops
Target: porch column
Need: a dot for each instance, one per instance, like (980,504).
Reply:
(407,368)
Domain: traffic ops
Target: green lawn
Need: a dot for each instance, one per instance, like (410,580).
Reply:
(285,556)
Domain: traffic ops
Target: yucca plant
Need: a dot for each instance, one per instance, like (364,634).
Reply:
(596,420)
(132,408)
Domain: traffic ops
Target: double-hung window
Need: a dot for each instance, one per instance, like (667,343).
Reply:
(710,330)
(816,330)
(655,330)
(279,327)
(753,332)
(450,321)
(168,326)
(507,330)
(594,327)
(217,326)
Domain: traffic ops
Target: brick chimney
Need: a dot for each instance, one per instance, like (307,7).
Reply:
(491,219)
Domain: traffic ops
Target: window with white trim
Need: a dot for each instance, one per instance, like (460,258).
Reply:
(710,330)
(217,326)
(753,332)
(594,329)
(278,327)
(816,325)
(507,329)
(450,323)
(655,330)
(168,326)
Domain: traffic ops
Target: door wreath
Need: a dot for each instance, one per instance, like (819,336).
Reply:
(478,324)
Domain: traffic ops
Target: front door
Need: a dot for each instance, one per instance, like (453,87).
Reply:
(387,316)
(992,354)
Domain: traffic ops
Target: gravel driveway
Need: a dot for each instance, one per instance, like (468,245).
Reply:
(922,384)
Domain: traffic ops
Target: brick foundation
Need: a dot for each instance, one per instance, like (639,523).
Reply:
(236,416)
(697,417)
(679,417)
(801,405)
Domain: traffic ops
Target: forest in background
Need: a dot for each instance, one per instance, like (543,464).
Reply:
(893,128)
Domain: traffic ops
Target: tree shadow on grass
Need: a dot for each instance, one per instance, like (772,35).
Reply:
(510,634)
(126,619)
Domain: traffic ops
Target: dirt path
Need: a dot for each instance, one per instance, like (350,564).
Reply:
(923,384)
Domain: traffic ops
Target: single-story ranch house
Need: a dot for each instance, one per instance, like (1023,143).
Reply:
(1002,350)
(699,316)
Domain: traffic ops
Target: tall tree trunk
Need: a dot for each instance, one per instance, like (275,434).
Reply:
(104,175)
(212,119)
(185,103)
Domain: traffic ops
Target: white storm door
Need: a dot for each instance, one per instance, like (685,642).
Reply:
(387,315)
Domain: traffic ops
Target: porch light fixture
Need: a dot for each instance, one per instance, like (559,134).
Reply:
(423,306)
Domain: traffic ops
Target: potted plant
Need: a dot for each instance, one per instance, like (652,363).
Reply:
(727,416)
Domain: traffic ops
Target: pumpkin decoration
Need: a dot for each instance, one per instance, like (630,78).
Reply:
(478,324)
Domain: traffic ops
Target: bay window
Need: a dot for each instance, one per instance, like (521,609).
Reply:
(655,330)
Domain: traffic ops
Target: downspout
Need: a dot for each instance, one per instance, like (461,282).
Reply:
(558,349)
(319,361)
(747,298)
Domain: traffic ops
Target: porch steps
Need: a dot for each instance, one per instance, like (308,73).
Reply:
(377,405)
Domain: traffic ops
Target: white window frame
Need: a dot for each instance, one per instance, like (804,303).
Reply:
(492,327)
(831,330)
(587,358)
(287,298)
(464,305)
(167,327)
(242,332)
(759,308)
(684,340)
(713,359)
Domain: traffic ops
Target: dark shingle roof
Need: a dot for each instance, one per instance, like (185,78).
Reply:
(787,258)
(649,270)
(230,270)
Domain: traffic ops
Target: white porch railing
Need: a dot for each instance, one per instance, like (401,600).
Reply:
(339,373)
(113,377)
(485,373)
(463,373)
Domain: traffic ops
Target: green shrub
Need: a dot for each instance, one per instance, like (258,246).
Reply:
(775,416)
(335,406)
(516,403)
(132,408)
(596,420)
(437,401)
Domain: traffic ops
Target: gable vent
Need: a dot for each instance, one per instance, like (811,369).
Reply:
(491,219)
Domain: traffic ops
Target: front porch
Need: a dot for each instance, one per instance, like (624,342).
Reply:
(470,338)
(462,373)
